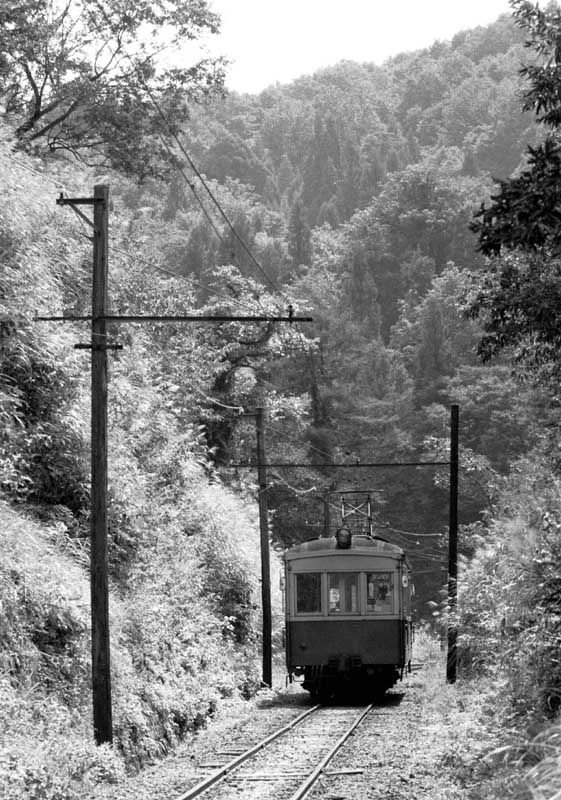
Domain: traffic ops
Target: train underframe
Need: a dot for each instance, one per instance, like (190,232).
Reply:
(344,677)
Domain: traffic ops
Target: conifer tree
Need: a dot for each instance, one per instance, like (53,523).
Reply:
(299,235)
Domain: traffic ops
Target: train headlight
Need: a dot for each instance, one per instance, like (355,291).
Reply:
(344,538)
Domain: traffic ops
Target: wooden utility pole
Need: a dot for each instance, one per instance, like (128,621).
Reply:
(451,663)
(99,585)
(265,558)
(101,675)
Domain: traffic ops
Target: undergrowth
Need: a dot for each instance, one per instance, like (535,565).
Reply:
(182,548)
(177,648)
(510,630)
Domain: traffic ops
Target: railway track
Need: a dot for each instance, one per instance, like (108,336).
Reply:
(287,764)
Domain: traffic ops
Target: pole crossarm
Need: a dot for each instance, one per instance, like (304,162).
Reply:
(78,201)
(285,465)
(125,318)
(98,347)
(73,202)
(354,491)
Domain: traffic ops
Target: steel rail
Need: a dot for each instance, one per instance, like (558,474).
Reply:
(305,787)
(205,784)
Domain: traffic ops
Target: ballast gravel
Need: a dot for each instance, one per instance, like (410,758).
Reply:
(421,742)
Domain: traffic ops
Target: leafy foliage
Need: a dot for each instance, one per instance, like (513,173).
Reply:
(517,295)
(162,511)
(518,301)
(40,450)
(524,213)
(83,77)
(180,641)
(510,594)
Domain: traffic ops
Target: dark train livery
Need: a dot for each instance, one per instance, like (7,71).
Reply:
(348,614)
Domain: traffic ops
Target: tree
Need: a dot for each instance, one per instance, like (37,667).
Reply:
(231,157)
(320,174)
(525,213)
(518,295)
(423,211)
(373,168)
(83,76)
(433,336)
(299,235)
(500,418)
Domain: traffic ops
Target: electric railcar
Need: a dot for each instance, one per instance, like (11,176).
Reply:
(348,614)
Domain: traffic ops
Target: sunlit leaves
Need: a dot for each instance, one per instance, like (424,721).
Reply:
(526,211)
(83,77)
(510,592)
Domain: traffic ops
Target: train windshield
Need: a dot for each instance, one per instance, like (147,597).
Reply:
(308,593)
(379,592)
(343,593)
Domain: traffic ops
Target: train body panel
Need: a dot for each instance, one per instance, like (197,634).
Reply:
(348,613)
(360,641)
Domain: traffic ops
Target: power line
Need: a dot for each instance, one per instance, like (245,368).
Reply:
(157,106)
(277,388)
(243,304)
(197,172)
(305,349)
(428,571)
(411,533)
(211,193)
(225,216)
(189,278)
(298,441)
(29,169)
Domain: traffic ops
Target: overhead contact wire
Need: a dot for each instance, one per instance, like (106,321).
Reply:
(199,175)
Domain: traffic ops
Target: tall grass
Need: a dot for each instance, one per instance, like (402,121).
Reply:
(510,622)
(177,647)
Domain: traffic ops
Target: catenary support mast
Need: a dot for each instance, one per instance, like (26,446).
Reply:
(451,664)
(265,556)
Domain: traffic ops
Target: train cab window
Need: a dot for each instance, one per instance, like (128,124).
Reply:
(343,593)
(379,592)
(308,592)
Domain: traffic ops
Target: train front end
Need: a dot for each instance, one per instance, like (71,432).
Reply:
(348,614)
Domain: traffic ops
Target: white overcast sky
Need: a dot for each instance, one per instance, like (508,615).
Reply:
(279,40)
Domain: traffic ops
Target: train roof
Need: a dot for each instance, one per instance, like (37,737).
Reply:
(374,543)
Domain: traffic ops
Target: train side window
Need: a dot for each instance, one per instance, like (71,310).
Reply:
(379,592)
(308,592)
(343,593)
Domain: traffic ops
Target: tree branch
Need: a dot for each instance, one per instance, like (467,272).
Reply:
(71,108)
(36,113)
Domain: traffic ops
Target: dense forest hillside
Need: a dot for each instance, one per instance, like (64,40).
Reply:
(350,195)
(331,139)
(354,189)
